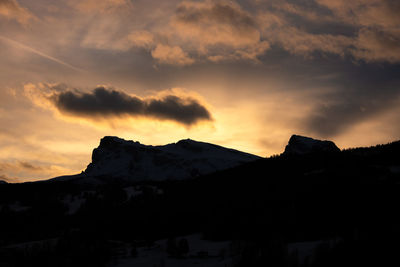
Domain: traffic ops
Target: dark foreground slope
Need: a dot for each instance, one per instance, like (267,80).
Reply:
(347,202)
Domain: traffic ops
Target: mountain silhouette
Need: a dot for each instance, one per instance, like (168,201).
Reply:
(316,207)
(118,159)
(299,145)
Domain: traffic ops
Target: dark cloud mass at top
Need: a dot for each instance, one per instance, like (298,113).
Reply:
(104,102)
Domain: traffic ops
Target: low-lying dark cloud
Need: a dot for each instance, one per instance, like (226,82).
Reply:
(105,102)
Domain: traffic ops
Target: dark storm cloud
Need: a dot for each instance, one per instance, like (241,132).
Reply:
(104,102)
(173,107)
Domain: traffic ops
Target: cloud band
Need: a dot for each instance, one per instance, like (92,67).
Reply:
(104,102)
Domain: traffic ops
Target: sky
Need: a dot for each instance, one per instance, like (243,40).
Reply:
(245,74)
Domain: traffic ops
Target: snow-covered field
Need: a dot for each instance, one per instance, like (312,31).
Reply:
(201,253)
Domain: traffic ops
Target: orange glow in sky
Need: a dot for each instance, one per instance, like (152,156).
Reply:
(244,74)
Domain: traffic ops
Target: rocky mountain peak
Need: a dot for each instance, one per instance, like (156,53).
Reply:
(116,157)
(113,141)
(300,145)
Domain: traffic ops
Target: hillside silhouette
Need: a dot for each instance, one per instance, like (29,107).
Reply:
(339,205)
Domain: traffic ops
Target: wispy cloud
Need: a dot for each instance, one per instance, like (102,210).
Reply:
(32,50)
(17,168)
(103,6)
(173,55)
(11,9)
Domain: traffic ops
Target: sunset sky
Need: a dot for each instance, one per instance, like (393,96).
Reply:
(245,74)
